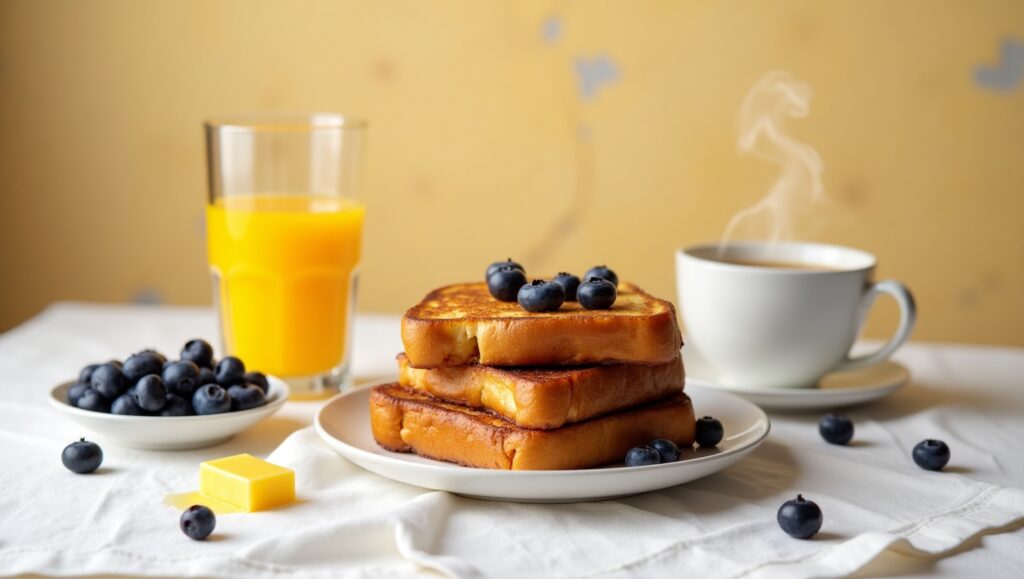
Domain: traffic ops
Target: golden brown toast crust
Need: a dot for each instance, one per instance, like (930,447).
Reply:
(545,398)
(407,421)
(462,324)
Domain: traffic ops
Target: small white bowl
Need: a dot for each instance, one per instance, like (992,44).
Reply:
(169,432)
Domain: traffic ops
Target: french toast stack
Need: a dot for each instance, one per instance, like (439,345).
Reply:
(485,383)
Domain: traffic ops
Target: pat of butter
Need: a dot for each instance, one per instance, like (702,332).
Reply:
(246,482)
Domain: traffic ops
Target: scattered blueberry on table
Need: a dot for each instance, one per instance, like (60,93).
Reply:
(148,384)
(596,294)
(931,454)
(642,456)
(82,457)
(541,296)
(197,522)
(709,432)
(800,518)
(836,428)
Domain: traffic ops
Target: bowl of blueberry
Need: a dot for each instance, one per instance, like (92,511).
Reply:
(151,402)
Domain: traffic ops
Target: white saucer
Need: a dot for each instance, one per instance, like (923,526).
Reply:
(835,390)
(344,423)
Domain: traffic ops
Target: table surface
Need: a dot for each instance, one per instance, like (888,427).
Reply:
(966,380)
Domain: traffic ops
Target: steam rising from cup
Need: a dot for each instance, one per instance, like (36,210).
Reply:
(760,124)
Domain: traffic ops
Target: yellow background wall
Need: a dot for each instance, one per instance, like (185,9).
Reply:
(485,144)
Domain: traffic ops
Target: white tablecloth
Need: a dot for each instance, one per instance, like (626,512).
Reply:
(882,513)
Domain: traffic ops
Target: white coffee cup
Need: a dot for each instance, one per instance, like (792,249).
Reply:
(781,327)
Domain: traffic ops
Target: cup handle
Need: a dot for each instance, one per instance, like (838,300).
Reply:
(908,315)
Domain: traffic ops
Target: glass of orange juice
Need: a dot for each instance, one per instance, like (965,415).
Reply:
(284,229)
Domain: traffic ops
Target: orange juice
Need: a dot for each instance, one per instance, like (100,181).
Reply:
(285,267)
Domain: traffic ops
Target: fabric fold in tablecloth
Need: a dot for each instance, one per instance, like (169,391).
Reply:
(351,523)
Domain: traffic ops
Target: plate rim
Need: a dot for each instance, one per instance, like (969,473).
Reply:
(466,471)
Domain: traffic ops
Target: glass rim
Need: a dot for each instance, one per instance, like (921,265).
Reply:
(284,122)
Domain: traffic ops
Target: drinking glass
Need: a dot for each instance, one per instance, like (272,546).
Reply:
(284,230)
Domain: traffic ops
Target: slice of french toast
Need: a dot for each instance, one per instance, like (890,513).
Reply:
(406,421)
(546,398)
(462,324)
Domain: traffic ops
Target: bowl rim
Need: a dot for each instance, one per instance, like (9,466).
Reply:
(276,397)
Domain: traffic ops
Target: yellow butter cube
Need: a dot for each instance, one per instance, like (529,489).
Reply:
(249,483)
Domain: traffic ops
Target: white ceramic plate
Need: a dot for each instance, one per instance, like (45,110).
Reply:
(835,390)
(169,432)
(344,423)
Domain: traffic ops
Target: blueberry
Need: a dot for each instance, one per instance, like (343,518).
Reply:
(126,405)
(602,272)
(667,449)
(504,284)
(709,432)
(541,296)
(800,518)
(206,376)
(931,454)
(85,375)
(836,428)
(82,457)
(151,393)
(141,364)
(161,357)
(596,294)
(246,397)
(642,456)
(199,352)
(116,363)
(94,401)
(569,283)
(176,406)
(258,379)
(211,399)
(198,522)
(500,264)
(109,381)
(75,392)
(230,371)
(182,378)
